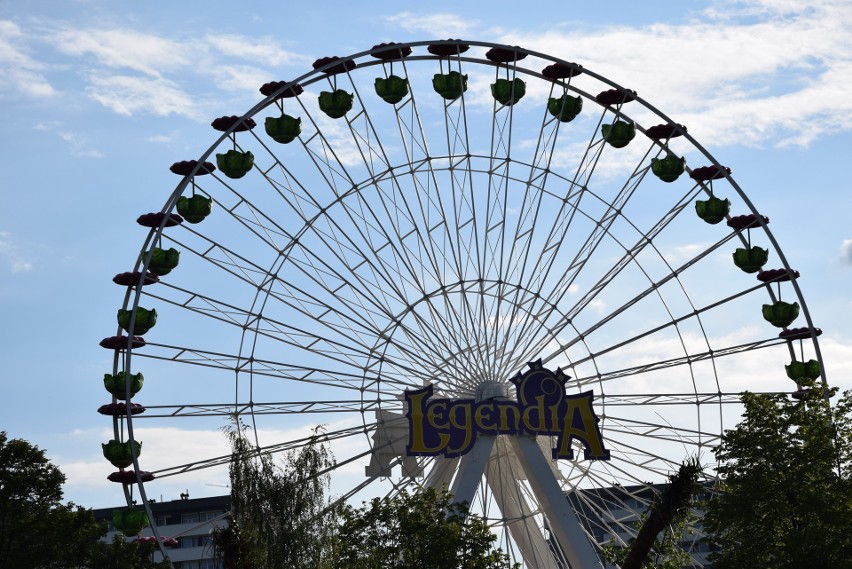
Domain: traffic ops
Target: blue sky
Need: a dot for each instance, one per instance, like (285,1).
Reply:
(98,98)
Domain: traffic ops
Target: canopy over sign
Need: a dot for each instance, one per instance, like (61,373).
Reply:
(450,427)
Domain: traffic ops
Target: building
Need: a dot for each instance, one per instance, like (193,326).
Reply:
(613,513)
(189,521)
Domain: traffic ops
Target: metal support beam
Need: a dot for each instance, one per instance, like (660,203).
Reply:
(471,469)
(528,536)
(562,521)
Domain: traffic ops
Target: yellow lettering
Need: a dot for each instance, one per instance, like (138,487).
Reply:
(541,426)
(508,425)
(465,424)
(436,414)
(588,433)
(417,412)
(484,417)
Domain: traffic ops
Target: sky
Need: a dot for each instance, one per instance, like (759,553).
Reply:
(98,99)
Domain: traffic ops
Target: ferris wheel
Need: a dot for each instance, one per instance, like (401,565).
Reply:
(451,216)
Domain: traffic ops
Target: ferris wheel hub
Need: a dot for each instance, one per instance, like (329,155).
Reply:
(492,390)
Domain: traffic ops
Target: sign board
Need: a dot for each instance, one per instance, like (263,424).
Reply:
(449,427)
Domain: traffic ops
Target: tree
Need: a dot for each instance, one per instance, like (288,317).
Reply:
(122,554)
(37,530)
(665,552)
(424,530)
(280,514)
(786,489)
(667,515)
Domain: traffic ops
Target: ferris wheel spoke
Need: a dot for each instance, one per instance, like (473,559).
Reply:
(335,377)
(601,228)
(257,408)
(640,459)
(298,301)
(528,216)
(665,432)
(651,331)
(322,159)
(270,450)
(395,203)
(560,287)
(578,187)
(466,247)
(686,360)
(563,285)
(356,312)
(668,399)
(653,288)
(441,244)
(617,268)
(223,258)
(496,218)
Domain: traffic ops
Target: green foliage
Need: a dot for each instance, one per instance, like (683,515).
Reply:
(38,531)
(665,553)
(121,554)
(281,516)
(424,530)
(786,491)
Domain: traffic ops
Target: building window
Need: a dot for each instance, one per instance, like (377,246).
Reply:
(195,541)
(189,518)
(207,516)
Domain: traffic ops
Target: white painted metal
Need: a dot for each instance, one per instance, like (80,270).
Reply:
(562,521)
(471,469)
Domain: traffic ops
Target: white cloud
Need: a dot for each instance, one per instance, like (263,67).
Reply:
(598,305)
(837,355)
(762,78)
(160,138)
(265,51)
(436,25)
(126,49)
(168,447)
(126,95)
(134,72)
(78,144)
(11,253)
(846,251)
(240,77)
(681,253)
(21,73)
